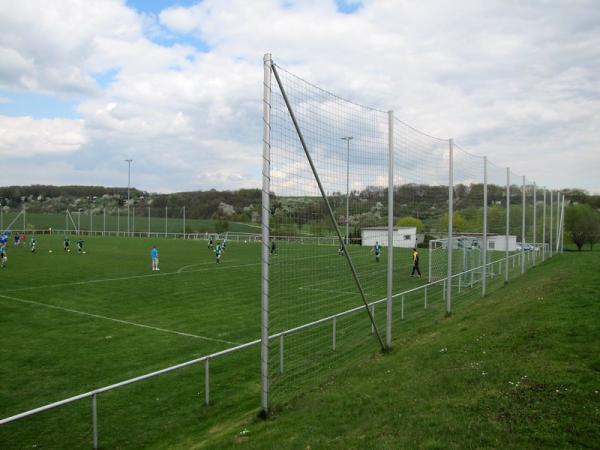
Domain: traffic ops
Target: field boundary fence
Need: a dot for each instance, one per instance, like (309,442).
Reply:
(504,242)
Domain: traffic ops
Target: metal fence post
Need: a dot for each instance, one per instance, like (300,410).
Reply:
(450,219)
(184,222)
(103,221)
(333,334)
(534,222)
(206,381)
(485,243)
(561,222)
(523,231)
(562,230)
(94,422)
(133,221)
(148,221)
(281,339)
(91,221)
(390,259)
(166,221)
(118,221)
(544,227)
(551,221)
(266,186)
(507,223)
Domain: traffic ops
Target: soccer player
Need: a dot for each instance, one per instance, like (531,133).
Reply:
(341,250)
(218,251)
(79,245)
(32,245)
(154,257)
(210,243)
(66,244)
(273,247)
(17,238)
(3,241)
(415,258)
(377,250)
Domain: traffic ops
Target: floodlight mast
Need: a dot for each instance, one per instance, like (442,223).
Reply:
(347,139)
(128,161)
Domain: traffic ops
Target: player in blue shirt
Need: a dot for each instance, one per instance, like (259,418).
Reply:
(377,250)
(218,252)
(154,257)
(3,241)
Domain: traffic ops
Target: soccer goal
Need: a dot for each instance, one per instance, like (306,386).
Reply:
(467,259)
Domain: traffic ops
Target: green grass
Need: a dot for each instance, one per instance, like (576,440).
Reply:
(520,369)
(139,223)
(49,353)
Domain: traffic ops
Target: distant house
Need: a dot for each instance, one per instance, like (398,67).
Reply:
(404,237)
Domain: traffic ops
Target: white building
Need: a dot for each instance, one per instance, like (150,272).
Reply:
(404,237)
(498,243)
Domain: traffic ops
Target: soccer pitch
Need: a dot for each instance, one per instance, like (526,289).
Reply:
(76,322)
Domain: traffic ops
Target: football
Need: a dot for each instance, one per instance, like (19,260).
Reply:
(49,251)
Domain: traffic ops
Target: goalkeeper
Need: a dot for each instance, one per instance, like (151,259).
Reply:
(415,258)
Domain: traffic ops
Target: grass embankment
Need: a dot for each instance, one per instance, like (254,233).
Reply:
(520,369)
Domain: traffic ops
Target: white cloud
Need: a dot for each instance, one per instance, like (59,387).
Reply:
(515,82)
(25,137)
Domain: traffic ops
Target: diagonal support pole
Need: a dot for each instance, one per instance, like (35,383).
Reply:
(329,210)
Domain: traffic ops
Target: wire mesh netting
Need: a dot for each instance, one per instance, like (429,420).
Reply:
(360,236)
(330,230)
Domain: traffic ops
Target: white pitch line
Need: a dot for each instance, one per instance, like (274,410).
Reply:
(112,319)
(133,277)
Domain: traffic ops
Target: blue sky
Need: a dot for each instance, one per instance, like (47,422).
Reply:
(177,85)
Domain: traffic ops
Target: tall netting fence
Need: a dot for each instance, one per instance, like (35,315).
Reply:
(311,276)
(420,198)
(468,252)
(361,244)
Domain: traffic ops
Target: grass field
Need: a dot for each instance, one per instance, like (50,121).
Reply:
(72,323)
(138,223)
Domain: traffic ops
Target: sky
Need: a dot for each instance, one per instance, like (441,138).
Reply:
(177,85)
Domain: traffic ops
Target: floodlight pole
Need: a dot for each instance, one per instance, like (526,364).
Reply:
(485,214)
(148,221)
(184,222)
(128,161)
(118,221)
(347,139)
(544,227)
(133,221)
(103,221)
(390,256)
(265,217)
(91,221)
(450,224)
(166,221)
(79,221)
(507,224)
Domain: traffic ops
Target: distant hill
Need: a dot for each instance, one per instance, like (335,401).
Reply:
(240,205)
